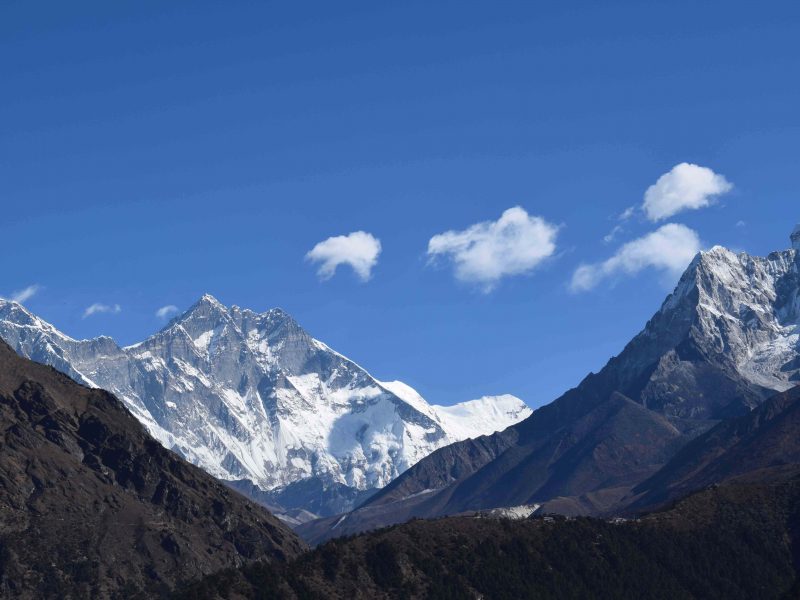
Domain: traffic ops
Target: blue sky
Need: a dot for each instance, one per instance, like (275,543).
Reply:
(152,152)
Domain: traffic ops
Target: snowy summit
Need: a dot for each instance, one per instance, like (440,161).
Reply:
(252,396)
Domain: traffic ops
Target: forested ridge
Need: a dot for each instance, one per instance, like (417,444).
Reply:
(731,541)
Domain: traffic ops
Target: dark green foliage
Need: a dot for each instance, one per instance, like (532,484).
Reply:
(381,560)
(732,542)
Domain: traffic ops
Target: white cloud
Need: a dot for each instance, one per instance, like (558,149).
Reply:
(670,248)
(611,235)
(685,187)
(25,294)
(166,311)
(97,307)
(359,249)
(627,213)
(486,252)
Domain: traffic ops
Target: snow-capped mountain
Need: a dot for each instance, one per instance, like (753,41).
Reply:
(249,396)
(725,340)
(728,333)
(469,419)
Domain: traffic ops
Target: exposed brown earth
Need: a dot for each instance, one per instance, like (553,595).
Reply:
(92,506)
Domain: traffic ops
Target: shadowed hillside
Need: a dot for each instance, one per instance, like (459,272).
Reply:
(727,542)
(92,506)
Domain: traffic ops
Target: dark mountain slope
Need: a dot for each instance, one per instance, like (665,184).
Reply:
(730,542)
(721,343)
(92,506)
(759,444)
(615,445)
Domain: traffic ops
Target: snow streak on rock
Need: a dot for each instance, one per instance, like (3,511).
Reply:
(253,396)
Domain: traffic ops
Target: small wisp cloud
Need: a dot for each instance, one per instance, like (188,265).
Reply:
(487,252)
(359,250)
(98,308)
(685,187)
(25,294)
(669,249)
(166,311)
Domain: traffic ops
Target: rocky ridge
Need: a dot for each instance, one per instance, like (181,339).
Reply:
(252,397)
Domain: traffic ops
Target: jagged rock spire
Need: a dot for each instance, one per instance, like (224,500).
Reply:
(795,237)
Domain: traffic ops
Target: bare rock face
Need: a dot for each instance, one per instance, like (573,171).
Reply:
(723,342)
(92,506)
(254,399)
(761,445)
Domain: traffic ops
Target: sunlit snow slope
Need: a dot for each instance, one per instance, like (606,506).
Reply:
(252,396)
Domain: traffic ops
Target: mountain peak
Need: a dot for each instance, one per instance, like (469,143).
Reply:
(9,304)
(206,306)
(209,300)
(474,418)
(714,256)
(253,396)
(795,237)
(12,311)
